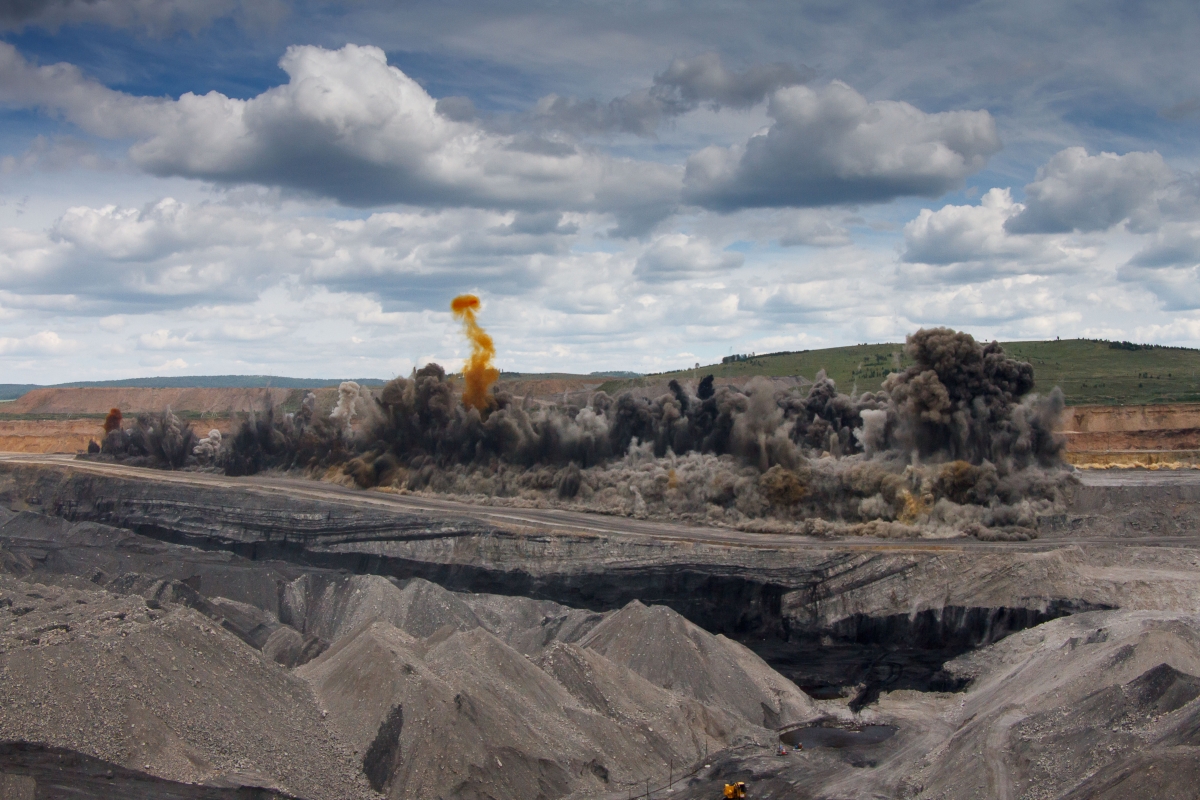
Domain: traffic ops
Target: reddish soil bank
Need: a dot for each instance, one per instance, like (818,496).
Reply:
(132,400)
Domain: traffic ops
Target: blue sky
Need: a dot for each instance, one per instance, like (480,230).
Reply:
(227,186)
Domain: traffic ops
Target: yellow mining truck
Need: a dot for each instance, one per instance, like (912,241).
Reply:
(735,791)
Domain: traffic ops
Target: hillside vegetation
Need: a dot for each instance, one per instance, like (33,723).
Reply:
(1089,372)
(11,391)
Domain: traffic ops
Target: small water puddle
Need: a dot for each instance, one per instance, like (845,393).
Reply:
(821,736)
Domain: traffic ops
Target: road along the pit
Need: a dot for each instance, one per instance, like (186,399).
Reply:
(887,612)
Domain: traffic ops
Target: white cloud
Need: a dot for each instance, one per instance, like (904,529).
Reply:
(804,229)
(833,146)
(54,155)
(348,126)
(1075,191)
(969,243)
(1173,245)
(171,365)
(1183,329)
(1033,301)
(43,343)
(678,256)
(162,339)
(173,254)
(63,90)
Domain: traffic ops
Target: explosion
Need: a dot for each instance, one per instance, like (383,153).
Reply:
(478,372)
(113,421)
(955,444)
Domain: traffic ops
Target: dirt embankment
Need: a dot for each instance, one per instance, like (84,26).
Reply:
(73,435)
(1115,436)
(58,420)
(134,400)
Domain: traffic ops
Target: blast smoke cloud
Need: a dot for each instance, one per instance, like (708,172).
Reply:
(478,372)
(158,440)
(954,444)
(208,448)
(349,395)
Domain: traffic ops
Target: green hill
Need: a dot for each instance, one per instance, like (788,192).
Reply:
(11,391)
(1088,371)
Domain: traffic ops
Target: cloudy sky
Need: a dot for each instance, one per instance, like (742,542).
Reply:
(299,187)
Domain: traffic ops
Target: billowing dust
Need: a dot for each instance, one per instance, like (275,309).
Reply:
(955,444)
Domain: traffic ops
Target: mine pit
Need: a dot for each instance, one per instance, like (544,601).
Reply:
(429,593)
(408,647)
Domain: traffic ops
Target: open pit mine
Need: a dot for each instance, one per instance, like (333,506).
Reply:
(440,590)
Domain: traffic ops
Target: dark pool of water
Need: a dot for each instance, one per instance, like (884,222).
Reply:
(820,736)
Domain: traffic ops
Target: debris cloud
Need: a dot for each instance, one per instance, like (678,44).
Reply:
(478,372)
(955,444)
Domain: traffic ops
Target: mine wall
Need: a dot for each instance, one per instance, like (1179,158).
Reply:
(825,618)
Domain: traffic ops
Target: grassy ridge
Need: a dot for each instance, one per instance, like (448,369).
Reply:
(1089,372)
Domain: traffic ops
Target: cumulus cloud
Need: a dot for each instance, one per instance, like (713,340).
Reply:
(157,17)
(63,90)
(350,127)
(686,84)
(1137,192)
(1169,266)
(967,243)
(831,145)
(1172,245)
(162,339)
(170,365)
(55,155)
(678,256)
(43,343)
(1075,191)
(814,232)
(1034,301)
(170,254)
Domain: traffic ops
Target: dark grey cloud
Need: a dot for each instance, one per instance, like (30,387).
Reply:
(833,146)
(1181,111)
(1077,192)
(685,85)
(156,17)
(458,109)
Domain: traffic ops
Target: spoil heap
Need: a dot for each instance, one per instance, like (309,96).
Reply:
(337,686)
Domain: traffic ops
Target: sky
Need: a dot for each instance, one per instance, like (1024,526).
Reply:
(299,187)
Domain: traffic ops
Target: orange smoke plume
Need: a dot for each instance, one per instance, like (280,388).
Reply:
(113,421)
(478,372)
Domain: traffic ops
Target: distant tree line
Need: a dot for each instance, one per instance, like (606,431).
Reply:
(1134,346)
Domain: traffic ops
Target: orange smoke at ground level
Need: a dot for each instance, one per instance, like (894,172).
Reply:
(478,372)
(113,421)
